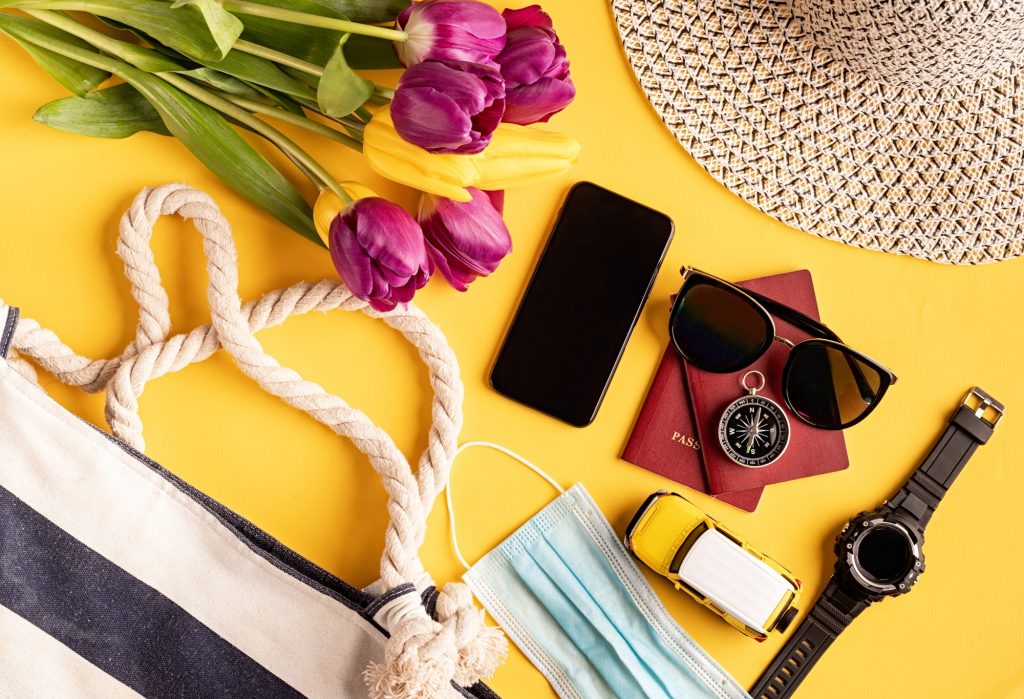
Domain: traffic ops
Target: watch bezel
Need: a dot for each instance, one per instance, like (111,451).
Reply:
(848,545)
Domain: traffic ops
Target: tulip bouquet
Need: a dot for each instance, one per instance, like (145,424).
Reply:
(459,126)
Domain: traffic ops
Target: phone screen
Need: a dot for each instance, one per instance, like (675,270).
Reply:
(580,308)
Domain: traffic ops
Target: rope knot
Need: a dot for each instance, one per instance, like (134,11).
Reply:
(419,657)
(481,648)
(423,657)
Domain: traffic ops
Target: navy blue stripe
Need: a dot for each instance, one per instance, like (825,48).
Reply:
(279,555)
(115,621)
(429,600)
(261,543)
(7,336)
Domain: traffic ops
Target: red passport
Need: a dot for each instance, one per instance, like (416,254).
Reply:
(664,439)
(811,451)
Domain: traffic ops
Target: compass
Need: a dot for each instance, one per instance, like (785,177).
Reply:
(754,430)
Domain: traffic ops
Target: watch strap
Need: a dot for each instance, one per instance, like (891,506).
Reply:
(832,613)
(969,427)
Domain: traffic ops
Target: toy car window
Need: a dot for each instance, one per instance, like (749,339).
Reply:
(685,547)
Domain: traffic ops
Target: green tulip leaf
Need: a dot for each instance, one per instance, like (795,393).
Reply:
(368,53)
(341,90)
(149,60)
(317,45)
(203,130)
(260,71)
(116,112)
(281,100)
(200,29)
(224,27)
(223,150)
(368,11)
(76,77)
(312,44)
(223,82)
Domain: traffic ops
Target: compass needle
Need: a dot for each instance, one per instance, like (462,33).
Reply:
(753,430)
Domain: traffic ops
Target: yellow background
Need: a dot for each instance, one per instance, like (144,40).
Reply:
(940,328)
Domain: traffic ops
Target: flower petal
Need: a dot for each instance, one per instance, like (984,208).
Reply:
(430,119)
(538,102)
(353,264)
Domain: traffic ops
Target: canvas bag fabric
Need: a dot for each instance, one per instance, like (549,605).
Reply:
(118,579)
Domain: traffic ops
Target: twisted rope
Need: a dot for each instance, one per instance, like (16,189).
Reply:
(422,655)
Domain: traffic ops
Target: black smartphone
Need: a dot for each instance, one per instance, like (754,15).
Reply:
(580,307)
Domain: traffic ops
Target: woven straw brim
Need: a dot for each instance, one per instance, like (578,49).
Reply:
(933,173)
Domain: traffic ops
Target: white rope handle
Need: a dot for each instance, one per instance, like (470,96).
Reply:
(422,655)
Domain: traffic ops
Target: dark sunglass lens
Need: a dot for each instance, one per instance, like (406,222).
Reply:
(718,329)
(830,387)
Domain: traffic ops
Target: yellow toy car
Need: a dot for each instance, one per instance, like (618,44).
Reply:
(681,542)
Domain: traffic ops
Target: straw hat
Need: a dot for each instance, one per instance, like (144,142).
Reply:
(894,125)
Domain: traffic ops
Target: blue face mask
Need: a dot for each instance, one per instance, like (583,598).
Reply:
(568,594)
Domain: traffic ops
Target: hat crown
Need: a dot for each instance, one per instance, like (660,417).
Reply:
(918,43)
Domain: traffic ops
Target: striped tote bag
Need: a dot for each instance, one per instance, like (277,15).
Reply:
(118,579)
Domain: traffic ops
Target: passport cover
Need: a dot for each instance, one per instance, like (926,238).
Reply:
(811,451)
(664,439)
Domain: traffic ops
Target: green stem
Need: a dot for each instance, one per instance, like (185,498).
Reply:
(364,114)
(142,58)
(385,92)
(341,25)
(294,119)
(89,58)
(278,57)
(353,126)
(270,133)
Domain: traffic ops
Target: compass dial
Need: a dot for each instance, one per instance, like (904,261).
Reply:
(754,431)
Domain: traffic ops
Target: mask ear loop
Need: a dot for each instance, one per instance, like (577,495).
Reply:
(448,489)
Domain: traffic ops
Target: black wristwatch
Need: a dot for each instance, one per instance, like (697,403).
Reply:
(878,554)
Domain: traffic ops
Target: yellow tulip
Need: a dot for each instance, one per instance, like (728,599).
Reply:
(328,205)
(517,156)
(521,155)
(390,155)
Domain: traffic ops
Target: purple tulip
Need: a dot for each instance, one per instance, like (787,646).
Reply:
(535,68)
(450,30)
(448,106)
(465,240)
(379,251)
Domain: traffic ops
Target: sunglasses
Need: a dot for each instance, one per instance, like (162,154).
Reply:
(720,327)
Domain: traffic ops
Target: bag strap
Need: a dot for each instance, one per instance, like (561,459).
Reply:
(422,656)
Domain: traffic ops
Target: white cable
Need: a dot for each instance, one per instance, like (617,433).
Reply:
(448,488)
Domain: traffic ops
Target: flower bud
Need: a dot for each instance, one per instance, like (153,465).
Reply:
(448,106)
(457,30)
(379,252)
(465,240)
(328,205)
(535,68)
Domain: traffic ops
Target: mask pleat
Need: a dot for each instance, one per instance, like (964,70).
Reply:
(568,594)
(590,624)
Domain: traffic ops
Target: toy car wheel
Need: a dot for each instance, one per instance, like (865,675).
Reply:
(786,619)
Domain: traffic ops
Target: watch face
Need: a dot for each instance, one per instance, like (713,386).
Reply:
(880,554)
(753,431)
(884,554)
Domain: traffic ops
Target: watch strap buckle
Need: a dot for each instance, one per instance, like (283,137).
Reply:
(985,407)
